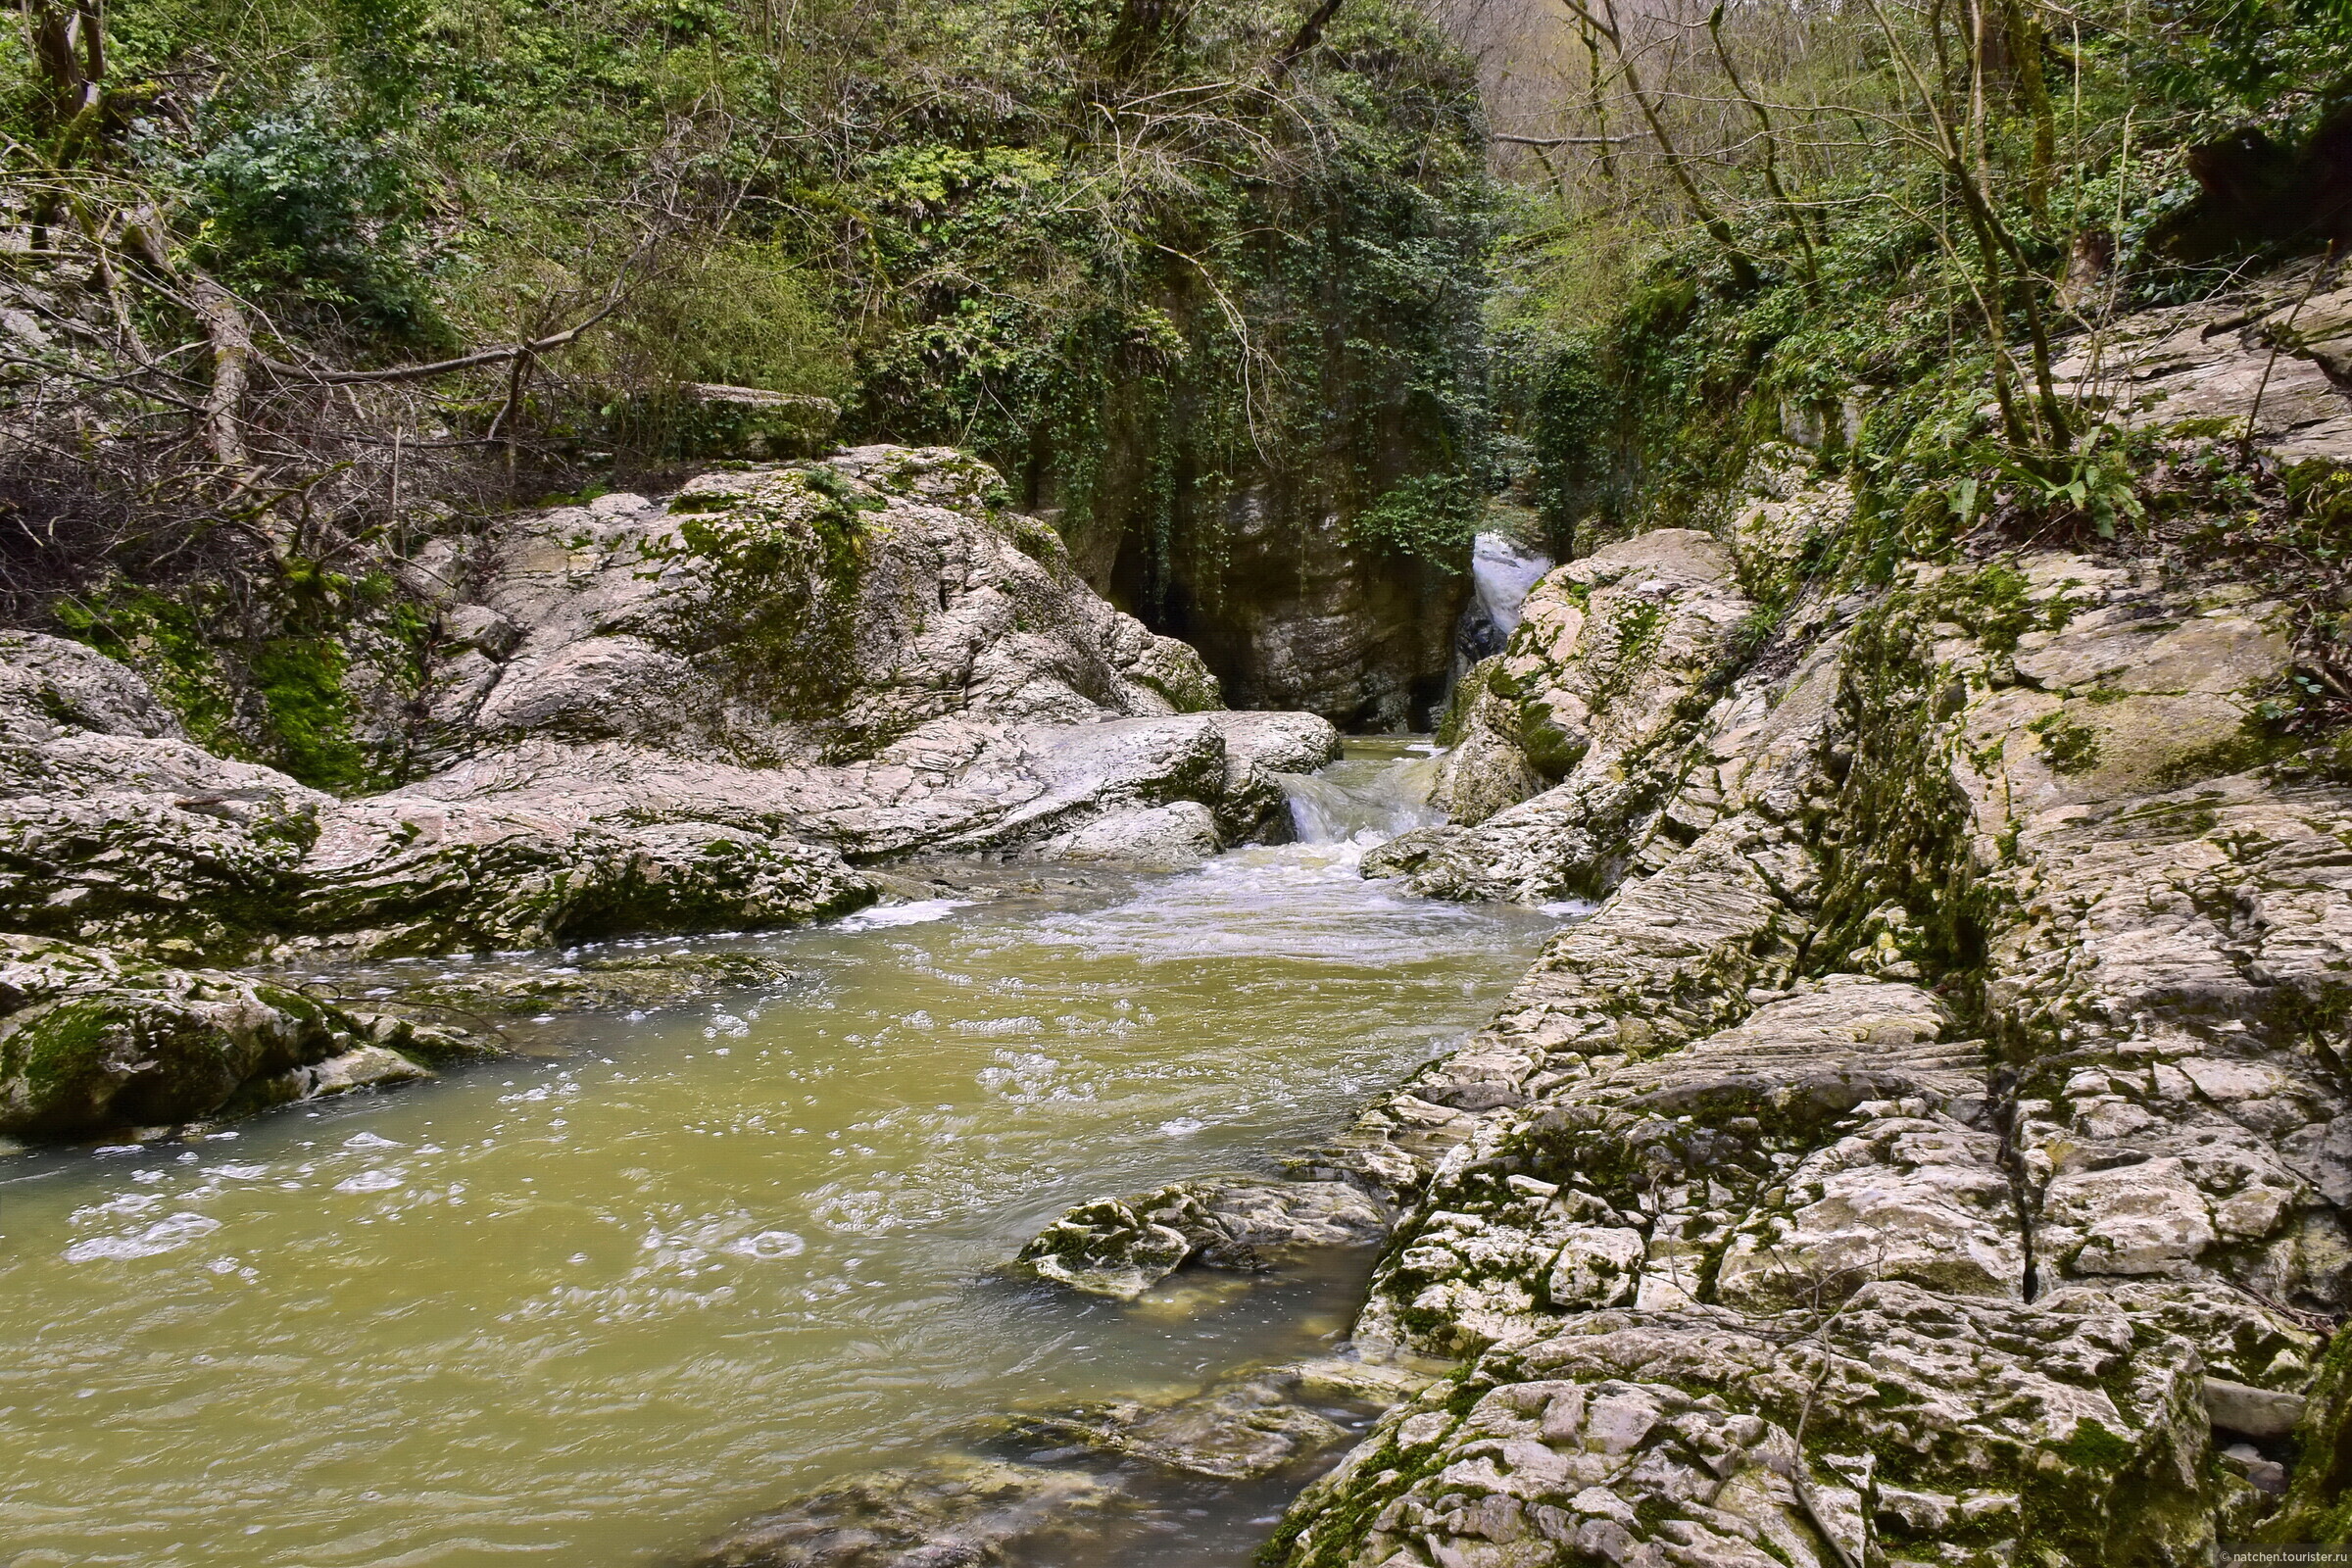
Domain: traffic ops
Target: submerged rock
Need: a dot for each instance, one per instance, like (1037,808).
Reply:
(607,982)
(954,1513)
(1073,1473)
(1251,1424)
(1120,1248)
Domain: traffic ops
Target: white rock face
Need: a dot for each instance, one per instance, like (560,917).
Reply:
(1732,1162)
(684,716)
(1181,834)
(668,717)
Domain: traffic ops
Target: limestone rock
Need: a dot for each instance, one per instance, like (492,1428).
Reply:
(1106,1247)
(660,718)
(607,981)
(90,1042)
(1122,1248)
(1994,1299)
(402,875)
(1957,1430)
(115,828)
(2199,366)
(803,613)
(1607,651)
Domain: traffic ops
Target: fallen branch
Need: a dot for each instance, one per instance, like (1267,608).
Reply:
(464,362)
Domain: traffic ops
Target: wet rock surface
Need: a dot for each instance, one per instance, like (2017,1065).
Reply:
(1120,1248)
(955,1514)
(1056,1485)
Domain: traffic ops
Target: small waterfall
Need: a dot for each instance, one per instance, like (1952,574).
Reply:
(1500,575)
(1363,799)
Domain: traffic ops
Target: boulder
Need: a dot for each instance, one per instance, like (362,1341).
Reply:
(90,1042)
(1120,1248)
(666,716)
(1251,1424)
(115,828)
(1547,780)
(1181,834)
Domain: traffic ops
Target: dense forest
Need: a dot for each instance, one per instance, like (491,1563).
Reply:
(1232,294)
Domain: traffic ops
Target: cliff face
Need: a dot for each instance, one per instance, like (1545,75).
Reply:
(1932,1144)
(1292,613)
(1936,1145)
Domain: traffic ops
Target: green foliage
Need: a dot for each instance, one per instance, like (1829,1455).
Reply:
(1649,360)
(292,199)
(1429,516)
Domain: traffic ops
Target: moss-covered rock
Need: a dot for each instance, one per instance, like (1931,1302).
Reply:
(1120,1248)
(90,1043)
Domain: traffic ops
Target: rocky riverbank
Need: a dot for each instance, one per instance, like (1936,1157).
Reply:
(1935,1148)
(714,713)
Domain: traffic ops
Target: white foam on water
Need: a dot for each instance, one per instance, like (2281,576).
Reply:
(163,1235)
(1569,909)
(882,916)
(768,1244)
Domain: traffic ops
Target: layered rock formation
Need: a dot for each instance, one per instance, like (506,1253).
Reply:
(693,715)
(1936,1146)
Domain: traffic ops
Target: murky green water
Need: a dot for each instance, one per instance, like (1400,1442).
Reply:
(583,1310)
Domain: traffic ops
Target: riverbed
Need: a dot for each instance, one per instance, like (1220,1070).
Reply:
(587,1305)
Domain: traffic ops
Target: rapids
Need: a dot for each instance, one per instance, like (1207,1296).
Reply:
(587,1305)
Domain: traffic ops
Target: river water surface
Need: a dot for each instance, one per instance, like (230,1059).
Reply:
(585,1308)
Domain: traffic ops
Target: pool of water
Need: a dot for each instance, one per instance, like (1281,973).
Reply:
(585,1306)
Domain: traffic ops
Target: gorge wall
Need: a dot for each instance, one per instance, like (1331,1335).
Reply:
(1936,1146)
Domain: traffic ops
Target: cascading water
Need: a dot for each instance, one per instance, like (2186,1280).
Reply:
(1380,790)
(1502,573)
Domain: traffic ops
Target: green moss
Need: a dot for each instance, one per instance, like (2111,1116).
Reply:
(777,558)
(1552,751)
(2319,1495)
(2068,747)
(300,681)
(2095,1447)
(2257,744)
(164,640)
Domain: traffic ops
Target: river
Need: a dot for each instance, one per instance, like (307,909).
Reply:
(586,1305)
